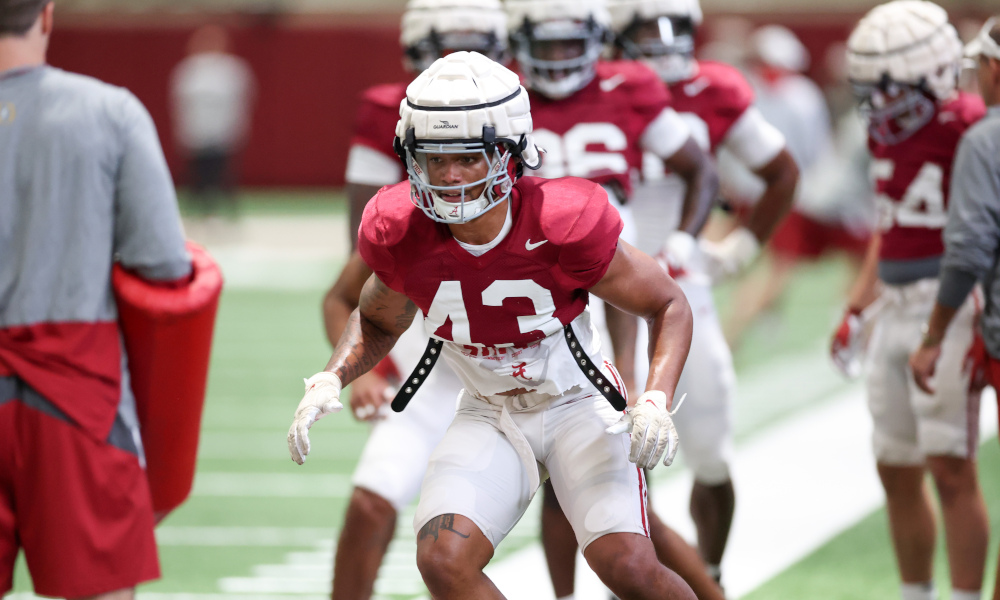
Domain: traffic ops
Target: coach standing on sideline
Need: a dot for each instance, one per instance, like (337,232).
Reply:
(83,183)
(972,235)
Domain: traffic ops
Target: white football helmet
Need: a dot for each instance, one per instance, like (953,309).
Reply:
(658,32)
(778,46)
(432,28)
(558,42)
(465,103)
(903,57)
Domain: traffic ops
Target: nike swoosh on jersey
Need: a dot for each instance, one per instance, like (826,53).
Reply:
(611,83)
(529,246)
(697,86)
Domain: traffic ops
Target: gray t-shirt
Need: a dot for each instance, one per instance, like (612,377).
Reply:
(82,180)
(972,235)
(83,183)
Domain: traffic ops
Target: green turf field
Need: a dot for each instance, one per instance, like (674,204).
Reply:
(257,525)
(859,563)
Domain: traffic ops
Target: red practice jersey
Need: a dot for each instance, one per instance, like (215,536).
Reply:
(596,132)
(912,179)
(375,121)
(712,101)
(564,235)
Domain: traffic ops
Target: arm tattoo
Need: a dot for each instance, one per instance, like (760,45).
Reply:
(438,524)
(382,308)
(368,337)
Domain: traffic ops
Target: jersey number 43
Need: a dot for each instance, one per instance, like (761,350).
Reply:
(450,303)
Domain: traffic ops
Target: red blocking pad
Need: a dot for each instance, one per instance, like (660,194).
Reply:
(168,337)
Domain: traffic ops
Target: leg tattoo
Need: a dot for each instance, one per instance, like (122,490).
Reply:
(438,524)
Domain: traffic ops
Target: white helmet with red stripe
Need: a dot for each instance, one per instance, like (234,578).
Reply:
(465,103)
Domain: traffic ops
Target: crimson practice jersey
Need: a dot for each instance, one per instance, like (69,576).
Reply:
(375,121)
(912,178)
(503,311)
(596,132)
(712,101)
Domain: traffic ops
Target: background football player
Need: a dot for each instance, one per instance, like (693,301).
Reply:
(489,246)
(595,119)
(825,216)
(429,29)
(904,60)
(717,103)
(388,475)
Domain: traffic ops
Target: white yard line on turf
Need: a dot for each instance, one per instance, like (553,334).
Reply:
(275,252)
(272,485)
(170,535)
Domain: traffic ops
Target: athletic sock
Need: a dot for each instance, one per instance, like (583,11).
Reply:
(918,591)
(966,595)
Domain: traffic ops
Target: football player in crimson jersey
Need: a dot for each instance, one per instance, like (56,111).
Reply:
(388,474)
(717,102)
(903,60)
(501,266)
(595,119)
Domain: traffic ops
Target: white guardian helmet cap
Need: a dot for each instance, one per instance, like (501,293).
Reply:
(902,58)
(465,103)
(658,32)
(430,28)
(558,42)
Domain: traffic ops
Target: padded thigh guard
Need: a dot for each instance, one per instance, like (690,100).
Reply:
(168,339)
(910,425)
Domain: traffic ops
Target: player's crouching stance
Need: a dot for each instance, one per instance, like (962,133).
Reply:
(502,268)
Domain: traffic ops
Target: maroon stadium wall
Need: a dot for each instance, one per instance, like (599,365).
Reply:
(310,72)
(309,78)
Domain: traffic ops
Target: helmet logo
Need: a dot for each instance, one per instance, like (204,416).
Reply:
(445,125)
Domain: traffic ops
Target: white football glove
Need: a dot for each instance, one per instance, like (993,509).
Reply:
(322,398)
(730,256)
(651,430)
(678,252)
(846,346)
(850,340)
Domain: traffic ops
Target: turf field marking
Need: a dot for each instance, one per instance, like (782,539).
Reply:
(168,535)
(275,252)
(272,485)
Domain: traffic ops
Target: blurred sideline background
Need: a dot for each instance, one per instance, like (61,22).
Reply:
(808,523)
